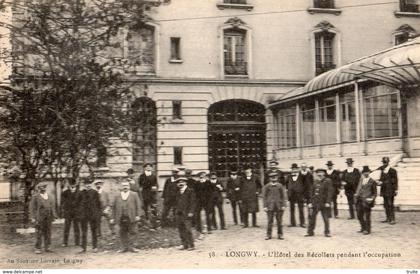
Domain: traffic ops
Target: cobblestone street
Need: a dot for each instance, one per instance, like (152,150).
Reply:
(239,248)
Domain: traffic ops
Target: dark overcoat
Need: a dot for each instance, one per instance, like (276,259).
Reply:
(249,189)
(389,182)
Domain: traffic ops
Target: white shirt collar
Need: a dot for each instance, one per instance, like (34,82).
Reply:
(304,172)
(365,180)
(99,190)
(44,195)
(350,169)
(124,195)
(387,169)
(147,172)
(182,190)
(294,177)
(330,171)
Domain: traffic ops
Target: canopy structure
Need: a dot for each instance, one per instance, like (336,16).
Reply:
(397,66)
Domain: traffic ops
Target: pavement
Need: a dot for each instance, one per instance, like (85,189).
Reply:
(389,246)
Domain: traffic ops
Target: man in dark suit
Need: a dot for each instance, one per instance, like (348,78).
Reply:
(185,207)
(365,200)
(216,201)
(274,168)
(42,212)
(89,210)
(274,199)
(70,200)
(389,189)
(233,193)
(169,196)
(297,193)
(202,190)
(320,200)
(126,212)
(250,188)
(149,188)
(350,179)
(308,178)
(334,176)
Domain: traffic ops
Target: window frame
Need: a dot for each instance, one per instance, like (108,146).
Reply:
(178,155)
(177,110)
(175,50)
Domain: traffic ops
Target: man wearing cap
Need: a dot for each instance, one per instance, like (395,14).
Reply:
(320,200)
(149,188)
(250,188)
(351,178)
(185,207)
(274,168)
(389,189)
(105,207)
(42,212)
(365,200)
(297,192)
(216,201)
(170,191)
(70,199)
(334,176)
(90,209)
(274,199)
(202,190)
(134,186)
(233,194)
(126,212)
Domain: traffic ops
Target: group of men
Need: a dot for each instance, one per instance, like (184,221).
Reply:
(187,197)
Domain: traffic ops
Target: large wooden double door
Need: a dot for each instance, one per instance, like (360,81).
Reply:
(236,136)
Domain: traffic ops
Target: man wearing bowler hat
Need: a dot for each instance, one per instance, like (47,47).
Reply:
(389,189)
(125,214)
(334,176)
(42,212)
(351,177)
(70,199)
(169,196)
(149,188)
(297,192)
(202,190)
(365,200)
(233,193)
(216,201)
(185,207)
(320,200)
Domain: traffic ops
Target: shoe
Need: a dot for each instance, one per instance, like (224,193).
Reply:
(48,250)
(392,223)
(122,250)
(268,237)
(64,245)
(291,226)
(182,247)
(95,250)
(223,228)
(385,221)
(366,232)
(309,235)
(82,251)
(191,248)
(244,226)
(38,251)
(303,225)
(280,237)
(255,226)
(134,250)
(328,235)
(360,231)
(350,218)
(336,217)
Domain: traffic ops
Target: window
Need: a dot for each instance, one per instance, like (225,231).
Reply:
(308,123)
(328,120)
(177,155)
(101,154)
(403,34)
(381,112)
(175,48)
(241,2)
(177,110)
(235,52)
(324,4)
(348,116)
(140,53)
(324,52)
(286,125)
(410,5)
(401,38)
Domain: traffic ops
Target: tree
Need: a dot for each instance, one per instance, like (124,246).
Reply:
(66,98)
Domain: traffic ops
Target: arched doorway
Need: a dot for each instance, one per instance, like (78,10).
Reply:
(236,136)
(144,132)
